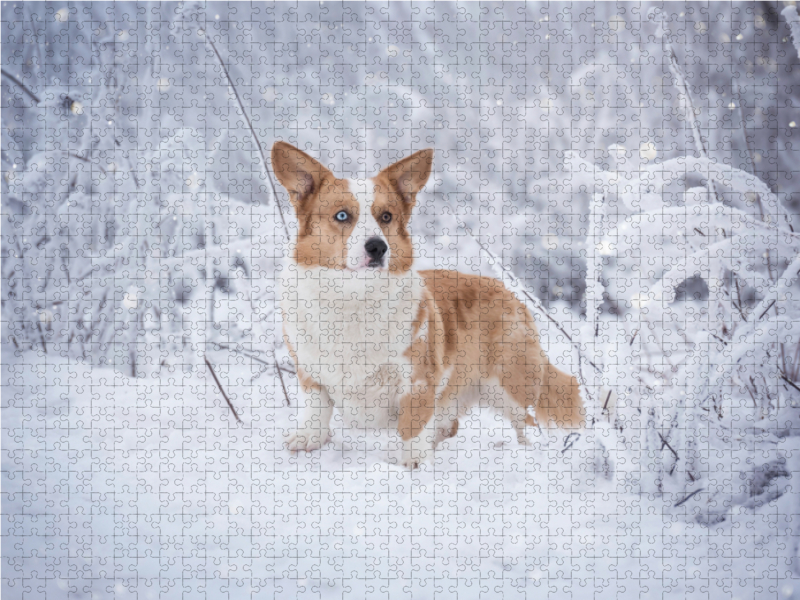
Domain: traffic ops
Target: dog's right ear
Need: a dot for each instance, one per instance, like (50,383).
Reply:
(300,174)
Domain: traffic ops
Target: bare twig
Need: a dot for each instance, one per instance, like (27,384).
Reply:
(738,303)
(41,335)
(683,89)
(252,357)
(569,441)
(280,376)
(208,39)
(787,380)
(782,348)
(664,442)
(689,497)
(767,310)
(749,391)
(21,85)
(716,337)
(219,385)
(605,404)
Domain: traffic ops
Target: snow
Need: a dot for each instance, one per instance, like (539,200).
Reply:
(149,488)
(793,20)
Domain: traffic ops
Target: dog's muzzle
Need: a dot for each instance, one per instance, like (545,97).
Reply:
(376,249)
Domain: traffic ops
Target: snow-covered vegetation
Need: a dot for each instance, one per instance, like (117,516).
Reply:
(630,173)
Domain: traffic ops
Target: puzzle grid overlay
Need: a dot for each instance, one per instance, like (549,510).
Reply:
(630,172)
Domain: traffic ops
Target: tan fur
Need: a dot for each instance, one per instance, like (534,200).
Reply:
(483,332)
(317,195)
(469,333)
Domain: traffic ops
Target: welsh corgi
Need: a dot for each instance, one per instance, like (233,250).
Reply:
(390,346)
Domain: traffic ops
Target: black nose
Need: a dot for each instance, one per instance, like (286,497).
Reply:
(375,248)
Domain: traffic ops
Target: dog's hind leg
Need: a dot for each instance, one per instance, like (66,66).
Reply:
(519,418)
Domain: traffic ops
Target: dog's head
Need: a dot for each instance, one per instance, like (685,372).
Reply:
(352,223)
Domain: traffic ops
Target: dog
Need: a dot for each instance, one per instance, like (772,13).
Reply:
(389,346)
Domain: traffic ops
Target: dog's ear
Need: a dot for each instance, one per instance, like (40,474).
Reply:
(409,175)
(300,174)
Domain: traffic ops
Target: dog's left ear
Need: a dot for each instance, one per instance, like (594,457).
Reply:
(409,175)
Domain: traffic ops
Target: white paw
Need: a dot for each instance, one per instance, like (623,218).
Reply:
(415,453)
(307,439)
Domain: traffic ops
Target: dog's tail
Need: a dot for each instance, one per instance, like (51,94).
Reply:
(560,400)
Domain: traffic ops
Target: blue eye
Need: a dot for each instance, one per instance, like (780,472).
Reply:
(342,216)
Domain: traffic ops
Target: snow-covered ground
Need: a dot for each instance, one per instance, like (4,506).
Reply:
(142,488)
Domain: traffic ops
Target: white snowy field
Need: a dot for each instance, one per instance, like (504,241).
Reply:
(122,488)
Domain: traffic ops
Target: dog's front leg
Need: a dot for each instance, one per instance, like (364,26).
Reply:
(313,423)
(416,424)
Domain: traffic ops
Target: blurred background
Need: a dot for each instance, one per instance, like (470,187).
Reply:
(137,209)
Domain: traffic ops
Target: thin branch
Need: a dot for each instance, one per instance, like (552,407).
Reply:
(716,337)
(86,160)
(569,441)
(242,352)
(738,303)
(767,309)
(605,404)
(41,335)
(250,126)
(747,144)
(219,385)
(679,79)
(280,376)
(786,379)
(689,497)
(749,391)
(21,85)
(782,348)
(664,442)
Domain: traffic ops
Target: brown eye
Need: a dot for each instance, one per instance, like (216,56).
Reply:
(386,217)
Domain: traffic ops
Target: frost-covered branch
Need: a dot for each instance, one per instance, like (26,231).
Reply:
(252,130)
(21,86)
(793,20)
(684,94)
(221,389)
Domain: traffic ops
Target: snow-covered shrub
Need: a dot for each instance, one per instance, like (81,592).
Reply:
(703,267)
(128,236)
(690,352)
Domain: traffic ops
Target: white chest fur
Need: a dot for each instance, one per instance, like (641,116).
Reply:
(349,331)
